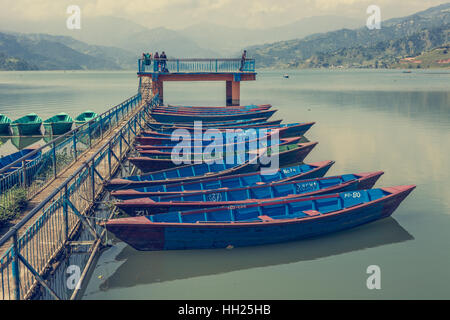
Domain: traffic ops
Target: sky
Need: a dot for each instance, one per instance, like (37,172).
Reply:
(177,14)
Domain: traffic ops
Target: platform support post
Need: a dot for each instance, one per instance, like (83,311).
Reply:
(233,93)
(158,88)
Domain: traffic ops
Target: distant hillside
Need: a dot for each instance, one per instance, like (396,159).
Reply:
(10,63)
(384,54)
(118,33)
(45,52)
(435,58)
(229,40)
(318,50)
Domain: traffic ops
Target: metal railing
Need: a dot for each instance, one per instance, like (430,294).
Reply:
(53,223)
(196,65)
(38,168)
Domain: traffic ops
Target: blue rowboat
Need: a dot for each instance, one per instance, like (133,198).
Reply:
(161,126)
(298,172)
(264,222)
(247,194)
(287,154)
(14,175)
(178,117)
(167,147)
(284,130)
(247,107)
(204,138)
(215,174)
(211,110)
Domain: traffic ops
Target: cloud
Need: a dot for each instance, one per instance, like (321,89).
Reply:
(179,13)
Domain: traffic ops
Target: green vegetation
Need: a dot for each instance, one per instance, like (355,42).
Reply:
(12,203)
(436,58)
(62,161)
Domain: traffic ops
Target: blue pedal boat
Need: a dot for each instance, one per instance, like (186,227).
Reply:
(247,194)
(265,222)
(298,172)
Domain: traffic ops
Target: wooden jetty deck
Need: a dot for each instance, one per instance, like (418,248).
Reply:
(66,181)
(60,206)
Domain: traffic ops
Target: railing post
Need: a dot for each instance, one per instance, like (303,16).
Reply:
(120,143)
(55,172)
(24,171)
(89,133)
(15,266)
(109,159)
(74,138)
(66,214)
(101,127)
(93,179)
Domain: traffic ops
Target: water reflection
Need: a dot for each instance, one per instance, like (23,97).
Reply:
(21,142)
(140,267)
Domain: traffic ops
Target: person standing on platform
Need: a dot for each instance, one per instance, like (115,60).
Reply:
(244,56)
(156,58)
(163,62)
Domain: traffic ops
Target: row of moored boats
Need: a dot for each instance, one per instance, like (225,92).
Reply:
(223,204)
(31,123)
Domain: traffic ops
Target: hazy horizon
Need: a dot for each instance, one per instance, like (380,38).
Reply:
(17,15)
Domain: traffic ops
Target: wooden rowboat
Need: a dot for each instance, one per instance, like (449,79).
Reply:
(85,117)
(288,154)
(298,172)
(58,124)
(208,110)
(209,176)
(4,124)
(26,125)
(284,130)
(244,195)
(176,117)
(163,126)
(259,223)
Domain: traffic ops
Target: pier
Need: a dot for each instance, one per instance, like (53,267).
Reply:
(64,179)
(226,70)
(63,185)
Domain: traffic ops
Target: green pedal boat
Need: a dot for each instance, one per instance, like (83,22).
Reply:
(27,125)
(58,124)
(85,117)
(4,124)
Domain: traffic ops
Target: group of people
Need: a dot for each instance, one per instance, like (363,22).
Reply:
(160,61)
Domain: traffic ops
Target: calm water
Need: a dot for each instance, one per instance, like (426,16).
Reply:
(52,92)
(366,121)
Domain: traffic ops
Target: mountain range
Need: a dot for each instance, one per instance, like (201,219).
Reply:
(397,37)
(115,43)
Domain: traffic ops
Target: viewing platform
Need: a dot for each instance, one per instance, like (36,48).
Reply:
(228,70)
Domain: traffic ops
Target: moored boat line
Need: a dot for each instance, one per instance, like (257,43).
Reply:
(30,124)
(215,205)
(244,195)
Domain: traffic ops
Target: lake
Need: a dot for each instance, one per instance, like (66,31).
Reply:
(366,120)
